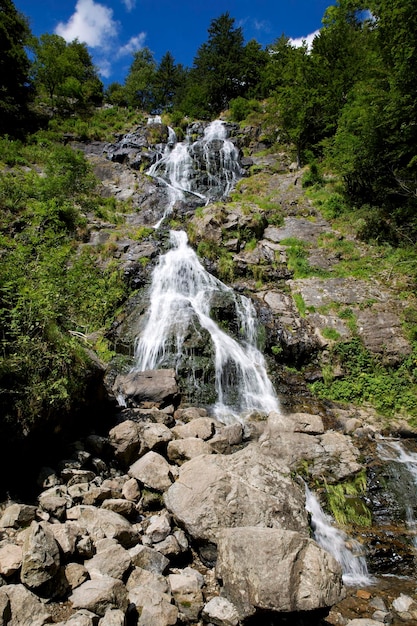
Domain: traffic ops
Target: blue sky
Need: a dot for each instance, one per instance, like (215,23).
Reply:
(115,29)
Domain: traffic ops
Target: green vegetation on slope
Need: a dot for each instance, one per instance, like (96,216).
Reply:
(53,290)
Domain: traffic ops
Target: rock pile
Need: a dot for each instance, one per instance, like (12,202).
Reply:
(173,518)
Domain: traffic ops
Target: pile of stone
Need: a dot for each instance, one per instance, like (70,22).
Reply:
(173,518)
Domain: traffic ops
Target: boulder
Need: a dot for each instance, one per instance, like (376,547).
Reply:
(40,556)
(26,609)
(186,589)
(131,490)
(75,574)
(144,578)
(114,561)
(99,595)
(158,387)
(10,559)
(220,612)
(17,516)
(101,523)
(153,471)
(153,436)
(246,488)
(113,617)
(154,607)
(181,450)
(201,427)
(148,559)
(276,570)
(125,439)
(159,527)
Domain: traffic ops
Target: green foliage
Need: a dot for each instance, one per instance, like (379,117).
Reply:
(241,108)
(51,291)
(330,333)
(367,379)
(64,72)
(312,176)
(15,86)
(344,500)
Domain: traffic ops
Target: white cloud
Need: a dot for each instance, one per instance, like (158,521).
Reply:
(262,26)
(129,5)
(91,23)
(308,39)
(104,68)
(133,45)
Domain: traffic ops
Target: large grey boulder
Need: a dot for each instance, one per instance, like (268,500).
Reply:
(247,488)
(113,561)
(99,595)
(153,471)
(125,439)
(156,386)
(103,523)
(41,558)
(276,570)
(300,437)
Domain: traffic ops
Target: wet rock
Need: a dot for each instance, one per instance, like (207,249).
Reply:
(99,595)
(157,386)
(302,576)
(153,471)
(41,558)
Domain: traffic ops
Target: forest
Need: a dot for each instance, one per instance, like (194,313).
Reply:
(346,107)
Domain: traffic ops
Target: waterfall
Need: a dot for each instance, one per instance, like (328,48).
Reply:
(406,481)
(181,293)
(206,168)
(345,550)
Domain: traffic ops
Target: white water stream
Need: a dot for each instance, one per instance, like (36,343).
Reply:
(182,291)
(345,550)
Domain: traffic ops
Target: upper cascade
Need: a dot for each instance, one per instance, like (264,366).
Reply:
(207,167)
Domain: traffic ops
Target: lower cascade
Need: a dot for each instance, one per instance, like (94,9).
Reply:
(181,294)
(345,550)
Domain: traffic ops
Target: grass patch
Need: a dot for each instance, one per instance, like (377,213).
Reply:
(392,391)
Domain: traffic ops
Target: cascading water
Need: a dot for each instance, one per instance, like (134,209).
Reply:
(404,481)
(207,168)
(181,293)
(335,541)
